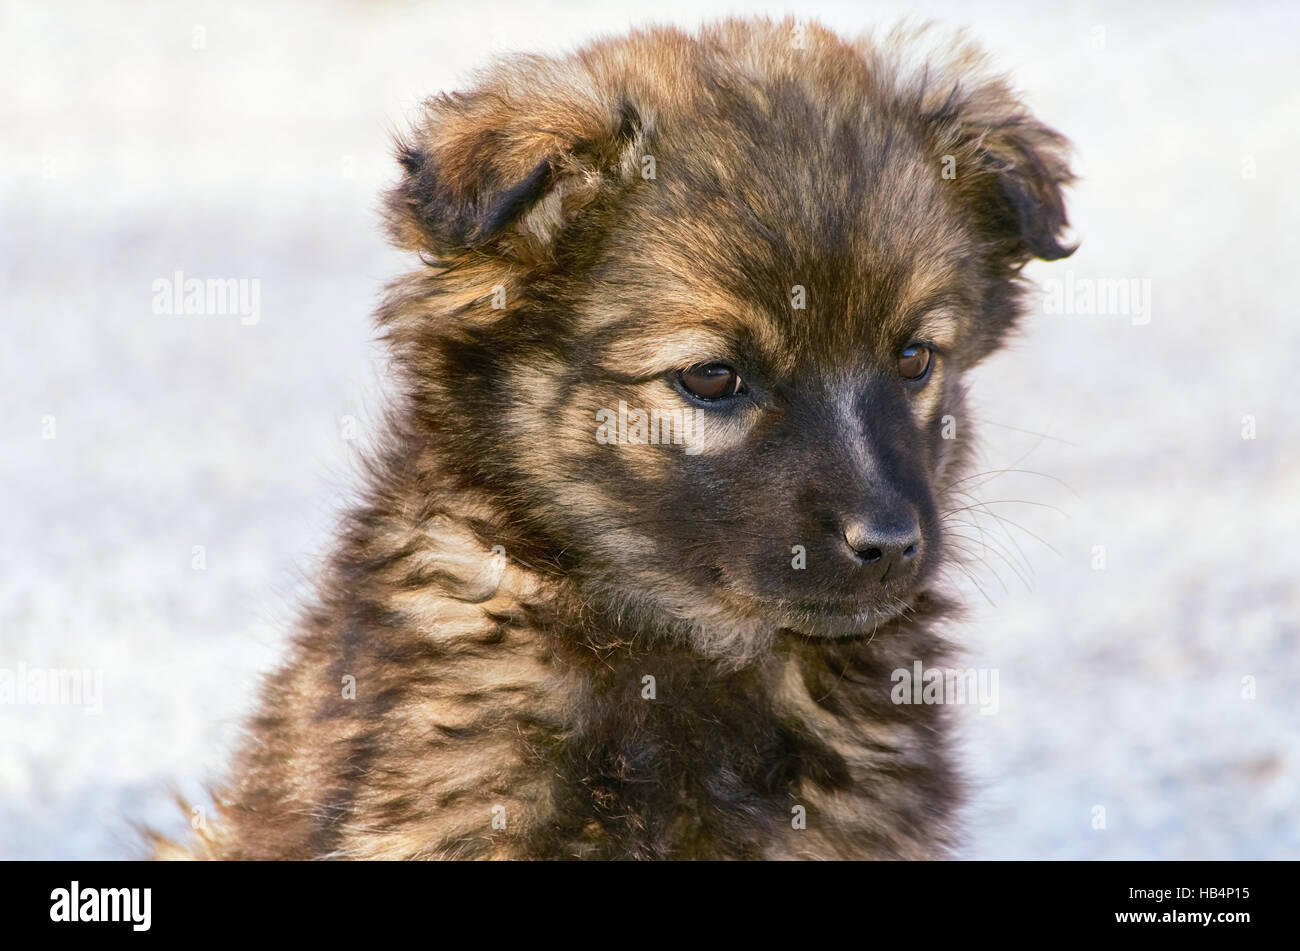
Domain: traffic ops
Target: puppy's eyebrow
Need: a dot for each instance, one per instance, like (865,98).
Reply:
(944,303)
(631,359)
(937,317)
(939,326)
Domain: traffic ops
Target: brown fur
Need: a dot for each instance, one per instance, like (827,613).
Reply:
(509,582)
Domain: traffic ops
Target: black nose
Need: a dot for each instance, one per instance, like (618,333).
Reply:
(890,547)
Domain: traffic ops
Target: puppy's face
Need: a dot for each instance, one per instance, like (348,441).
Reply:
(813,355)
(723,373)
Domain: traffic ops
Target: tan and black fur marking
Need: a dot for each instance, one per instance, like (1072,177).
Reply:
(510,582)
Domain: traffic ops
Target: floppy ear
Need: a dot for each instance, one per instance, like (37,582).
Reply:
(1020,167)
(507,167)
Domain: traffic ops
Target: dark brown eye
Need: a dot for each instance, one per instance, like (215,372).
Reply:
(711,381)
(914,361)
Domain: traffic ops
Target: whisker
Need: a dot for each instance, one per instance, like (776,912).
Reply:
(994,473)
(1025,577)
(1029,432)
(980,503)
(983,509)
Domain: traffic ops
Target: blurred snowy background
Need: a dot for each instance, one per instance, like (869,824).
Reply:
(251,140)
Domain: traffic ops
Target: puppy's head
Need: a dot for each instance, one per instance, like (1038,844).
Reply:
(699,310)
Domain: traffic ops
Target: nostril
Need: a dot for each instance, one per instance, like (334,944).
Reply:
(882,544)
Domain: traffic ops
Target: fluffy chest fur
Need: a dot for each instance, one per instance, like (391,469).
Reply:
(453,706)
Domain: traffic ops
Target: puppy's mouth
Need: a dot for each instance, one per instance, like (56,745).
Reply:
(832,614)
(834,618)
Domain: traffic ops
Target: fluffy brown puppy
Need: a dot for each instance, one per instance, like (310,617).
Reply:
(660,506)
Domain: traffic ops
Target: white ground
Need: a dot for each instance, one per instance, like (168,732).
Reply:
(128,155)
